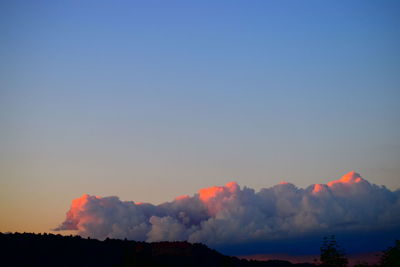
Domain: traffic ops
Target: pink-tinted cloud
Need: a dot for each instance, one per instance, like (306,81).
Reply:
(234,215)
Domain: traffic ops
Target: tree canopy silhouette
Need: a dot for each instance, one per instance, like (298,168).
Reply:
(391,256)
(331,253)
(55,250)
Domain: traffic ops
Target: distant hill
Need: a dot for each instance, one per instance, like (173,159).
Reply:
(55,250)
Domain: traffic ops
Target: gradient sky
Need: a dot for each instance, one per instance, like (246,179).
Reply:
(148,100)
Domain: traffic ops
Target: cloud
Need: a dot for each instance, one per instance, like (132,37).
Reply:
(232,215)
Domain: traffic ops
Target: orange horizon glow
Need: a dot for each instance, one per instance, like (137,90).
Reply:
(369,257)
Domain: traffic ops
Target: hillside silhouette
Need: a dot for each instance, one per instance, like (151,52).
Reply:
(27,249)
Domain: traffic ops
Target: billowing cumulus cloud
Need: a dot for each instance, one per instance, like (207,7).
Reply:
(233,215)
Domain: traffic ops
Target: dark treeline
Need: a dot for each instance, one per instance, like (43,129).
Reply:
(55,250)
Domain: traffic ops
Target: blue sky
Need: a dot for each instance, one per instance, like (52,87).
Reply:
(150,100)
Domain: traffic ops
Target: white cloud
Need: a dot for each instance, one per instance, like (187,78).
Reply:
(228,214)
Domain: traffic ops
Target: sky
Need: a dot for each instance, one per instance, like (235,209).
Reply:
(149,100)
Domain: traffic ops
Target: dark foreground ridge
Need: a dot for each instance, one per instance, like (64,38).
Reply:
(55,250)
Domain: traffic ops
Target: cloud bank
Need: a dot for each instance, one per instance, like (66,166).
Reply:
(232,215)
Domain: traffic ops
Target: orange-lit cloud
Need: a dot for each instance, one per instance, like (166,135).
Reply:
(348,179)
(216,197)
(231,214)
(182,197)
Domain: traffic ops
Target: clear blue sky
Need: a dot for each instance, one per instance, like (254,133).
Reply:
(148,100)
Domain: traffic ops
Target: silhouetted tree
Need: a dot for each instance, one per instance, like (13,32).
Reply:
(64,251)
(331,254)
(391,256)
